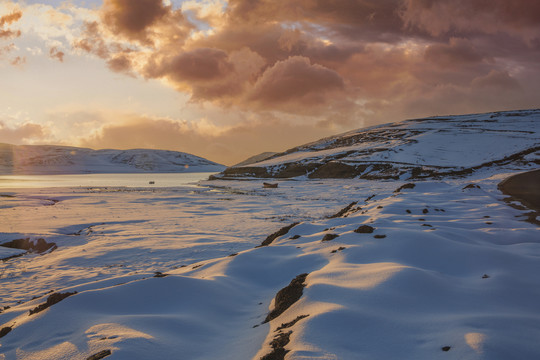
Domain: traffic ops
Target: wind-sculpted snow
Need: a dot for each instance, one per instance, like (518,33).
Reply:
(444,268)
(421,148)
(28,159)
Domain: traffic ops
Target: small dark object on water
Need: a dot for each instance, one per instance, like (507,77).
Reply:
(269,185)
(99,355)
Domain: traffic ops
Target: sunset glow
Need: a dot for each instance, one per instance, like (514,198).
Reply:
(229,79)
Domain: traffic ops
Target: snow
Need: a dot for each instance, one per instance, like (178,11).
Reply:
(48,159)
(446,266)
(458,142)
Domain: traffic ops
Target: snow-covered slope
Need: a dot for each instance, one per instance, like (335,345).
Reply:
(453,145)
(47,159)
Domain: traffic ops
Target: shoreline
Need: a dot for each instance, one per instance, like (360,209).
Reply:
(524,187)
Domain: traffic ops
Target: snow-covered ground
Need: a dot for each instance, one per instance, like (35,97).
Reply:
(446,266)
(51,159)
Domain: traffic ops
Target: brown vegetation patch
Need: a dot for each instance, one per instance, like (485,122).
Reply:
(51,300)
(287,296)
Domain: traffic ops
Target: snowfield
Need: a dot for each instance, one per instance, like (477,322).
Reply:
(418,269)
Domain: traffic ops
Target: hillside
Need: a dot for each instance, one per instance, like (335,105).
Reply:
(47,159)
(419,148)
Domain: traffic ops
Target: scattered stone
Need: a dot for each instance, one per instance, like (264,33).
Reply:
(364,229)
(341,248)
(408,211)
(294,237)
(343,211)
(329,237)
(489,222)
(405,186)
(270,186)
(278,350)
(427,225)
(99,355)
(159,274)
(233,254)
(291,323)
(487,217)
(485,276)
(446,348)
(379,236)
(287,296)
(421,219)
(274,236)
(425,211)
(369,198)
(196,266)
(379,207)
(471,186)
(51,300)
(4,331)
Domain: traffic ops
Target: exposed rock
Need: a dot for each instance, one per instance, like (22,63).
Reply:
(39,245)
(379,236)
(99,355)
(51,300)
(406,186)
(329,237)
(343,211)
(291,323)
(287,296)
(159,274)
(446,348)
(471,186)
(280,232)
(4,331)
(364,229)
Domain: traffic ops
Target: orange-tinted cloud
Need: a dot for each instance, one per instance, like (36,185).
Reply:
(56,54)
(21,133)
(7,20)
(326,60)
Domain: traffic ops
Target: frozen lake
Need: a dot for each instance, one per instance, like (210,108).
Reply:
(102,180)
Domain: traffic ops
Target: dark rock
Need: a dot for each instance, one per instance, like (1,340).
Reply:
(425,211)
(343,211)
(365,229)
(4,331)
(51,300)
(446,348)
(329,237)
(99,355)
(379,236)
(294,237)
(159,274)
(341,248)
(485,276)
(287,296)
(233,254)
(291,323)
(406,186)
(39,245)
(284,230)
(471,186)
(408,211)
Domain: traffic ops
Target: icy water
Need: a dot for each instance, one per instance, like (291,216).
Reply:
(102,180)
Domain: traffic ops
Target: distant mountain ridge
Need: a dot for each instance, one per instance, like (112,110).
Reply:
(51,159)
(418,148)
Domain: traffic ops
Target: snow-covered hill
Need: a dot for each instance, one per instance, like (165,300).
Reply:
(420,148)
(47,159)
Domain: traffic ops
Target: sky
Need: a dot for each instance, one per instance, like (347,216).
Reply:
(226,80)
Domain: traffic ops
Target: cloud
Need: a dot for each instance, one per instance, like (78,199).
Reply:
(296,80)
(21,133)
(457,53)
(7,20)
(54,53)
(228,145)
